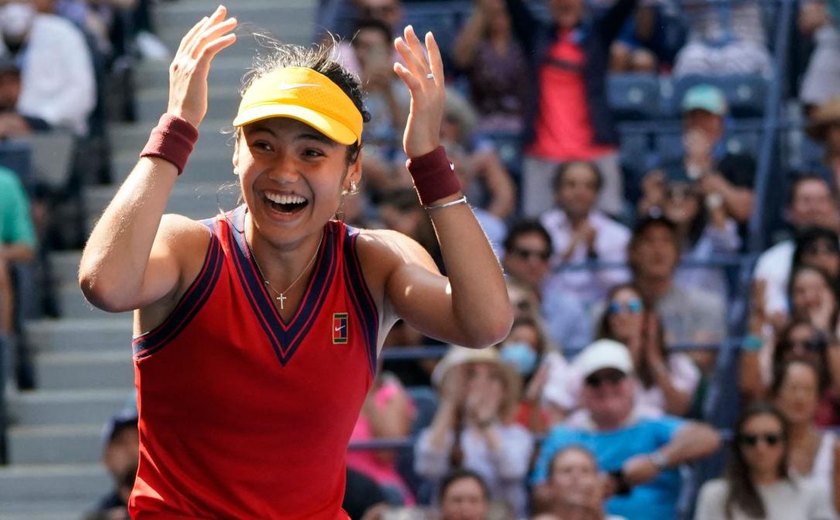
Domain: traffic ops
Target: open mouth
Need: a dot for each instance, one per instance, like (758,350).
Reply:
(286,203)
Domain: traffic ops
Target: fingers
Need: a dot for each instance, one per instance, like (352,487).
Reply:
(419,62)
(215,27)
(193,36)
(435,60)
(188,38)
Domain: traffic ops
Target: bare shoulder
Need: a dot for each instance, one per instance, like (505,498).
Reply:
(186,241)
(177,257)
(175,229)
(388,248)
(384,253)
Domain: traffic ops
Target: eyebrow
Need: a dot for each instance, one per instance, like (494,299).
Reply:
(305,135)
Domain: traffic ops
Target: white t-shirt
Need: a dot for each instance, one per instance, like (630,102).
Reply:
(783,500)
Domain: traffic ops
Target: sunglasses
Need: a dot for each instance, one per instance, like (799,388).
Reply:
(632,306)
(811,345)
(526,254)
(612,377)
(751,439)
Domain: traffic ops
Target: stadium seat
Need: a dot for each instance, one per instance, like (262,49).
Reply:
(745,93)
(633,97)
(743,142)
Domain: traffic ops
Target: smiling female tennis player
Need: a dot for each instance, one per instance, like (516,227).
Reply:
(256,332)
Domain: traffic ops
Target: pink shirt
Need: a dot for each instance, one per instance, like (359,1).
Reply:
(366,461)
(564,131)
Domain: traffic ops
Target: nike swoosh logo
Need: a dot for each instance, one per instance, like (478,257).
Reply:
(337,329)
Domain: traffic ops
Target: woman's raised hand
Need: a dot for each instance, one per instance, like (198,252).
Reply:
(423,75)
(191,65)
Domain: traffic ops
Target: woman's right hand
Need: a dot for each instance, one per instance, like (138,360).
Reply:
(191,65)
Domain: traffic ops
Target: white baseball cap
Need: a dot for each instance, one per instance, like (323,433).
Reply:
(601,354)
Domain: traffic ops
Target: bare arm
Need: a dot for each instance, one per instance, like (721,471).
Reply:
(129,260)
(695,440)
(17,252)
(471,306)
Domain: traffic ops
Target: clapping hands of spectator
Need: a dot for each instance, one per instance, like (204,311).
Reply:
(698,151)
(483,400)
(651,351)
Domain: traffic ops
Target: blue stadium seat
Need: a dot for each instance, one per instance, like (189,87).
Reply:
(746,142)
(17,156)
(633,97)
(745,93)
(668,147)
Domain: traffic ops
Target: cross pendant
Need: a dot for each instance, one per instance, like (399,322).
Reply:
(282,300)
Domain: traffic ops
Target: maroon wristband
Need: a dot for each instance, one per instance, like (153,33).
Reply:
(172,140)
(434,176)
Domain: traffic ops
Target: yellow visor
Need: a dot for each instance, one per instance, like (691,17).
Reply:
(307,96)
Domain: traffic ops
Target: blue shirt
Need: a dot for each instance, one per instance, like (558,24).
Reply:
(655,499)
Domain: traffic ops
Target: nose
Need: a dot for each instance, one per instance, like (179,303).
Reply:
(284,168)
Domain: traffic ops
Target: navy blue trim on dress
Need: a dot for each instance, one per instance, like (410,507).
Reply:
(284,338)
(191,302)
(363,301)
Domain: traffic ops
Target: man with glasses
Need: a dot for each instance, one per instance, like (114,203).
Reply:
(641,450)
(527,249)
(582,233)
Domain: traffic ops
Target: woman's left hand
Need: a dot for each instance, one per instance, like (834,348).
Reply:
(424,78)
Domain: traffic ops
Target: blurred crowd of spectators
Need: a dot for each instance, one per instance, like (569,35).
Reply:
(596,402)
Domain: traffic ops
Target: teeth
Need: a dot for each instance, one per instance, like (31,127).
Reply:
(285,199)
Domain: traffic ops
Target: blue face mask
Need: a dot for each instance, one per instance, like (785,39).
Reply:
(520,355)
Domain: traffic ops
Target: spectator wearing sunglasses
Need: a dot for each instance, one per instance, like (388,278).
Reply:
(667,380)
(640,450)
(704,229)
(582,233)
(758,482)
(798,340)
(527,249)
(814,453)
(689,315)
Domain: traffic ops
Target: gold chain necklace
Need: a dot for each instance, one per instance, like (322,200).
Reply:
(281,297)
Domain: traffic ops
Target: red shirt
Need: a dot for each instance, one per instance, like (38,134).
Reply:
(241,414)
(564,131)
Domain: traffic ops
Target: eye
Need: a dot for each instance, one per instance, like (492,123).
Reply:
(263,146)
(312,153)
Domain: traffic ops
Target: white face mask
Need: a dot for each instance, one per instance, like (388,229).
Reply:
(16,20)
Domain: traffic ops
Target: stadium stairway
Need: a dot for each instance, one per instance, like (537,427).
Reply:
(83,360)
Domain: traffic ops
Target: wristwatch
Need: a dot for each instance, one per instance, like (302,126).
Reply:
(659,460)
(714,200)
